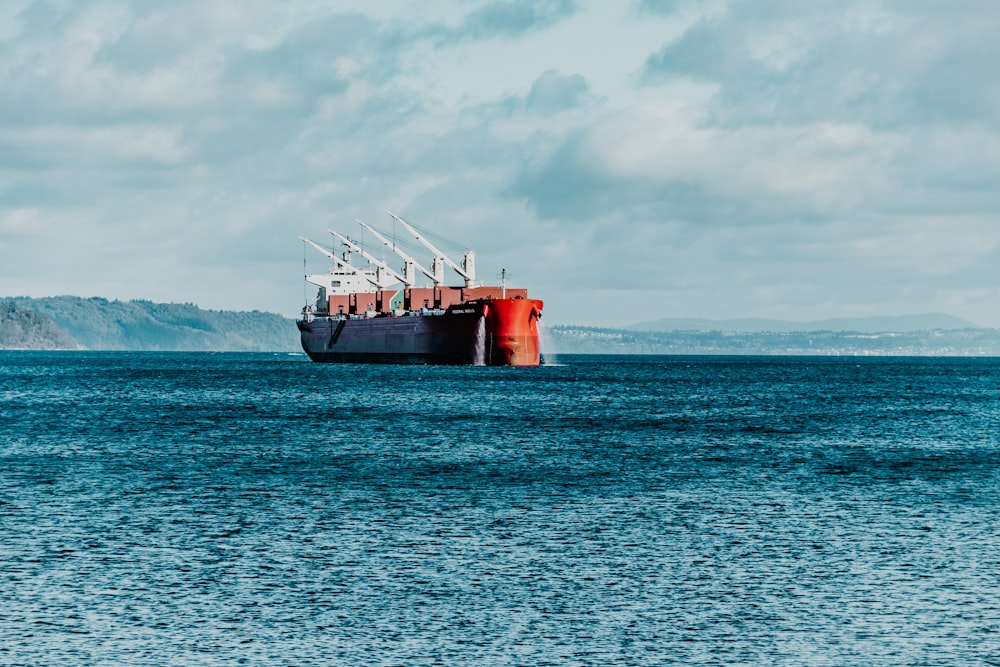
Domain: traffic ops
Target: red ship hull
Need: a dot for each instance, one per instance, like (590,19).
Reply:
(490,332)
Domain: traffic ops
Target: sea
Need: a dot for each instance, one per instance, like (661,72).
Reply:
(260,509)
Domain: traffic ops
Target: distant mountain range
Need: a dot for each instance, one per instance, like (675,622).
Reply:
(897,324)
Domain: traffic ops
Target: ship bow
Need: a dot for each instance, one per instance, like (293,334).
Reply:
(512,332)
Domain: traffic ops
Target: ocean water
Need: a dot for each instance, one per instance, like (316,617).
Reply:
(259,509)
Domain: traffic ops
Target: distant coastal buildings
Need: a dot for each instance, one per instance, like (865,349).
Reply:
(937,342)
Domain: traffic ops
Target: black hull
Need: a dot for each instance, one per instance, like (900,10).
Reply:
(449,339)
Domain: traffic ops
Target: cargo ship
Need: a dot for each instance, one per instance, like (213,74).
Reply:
(375,314)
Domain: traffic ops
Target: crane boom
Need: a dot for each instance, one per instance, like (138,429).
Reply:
(406,258)
(374,260)
(468,272)
(341,263)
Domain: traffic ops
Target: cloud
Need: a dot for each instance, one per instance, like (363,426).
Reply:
(510,18)
(817,98)
(660,156)
(553,91)
(776,62)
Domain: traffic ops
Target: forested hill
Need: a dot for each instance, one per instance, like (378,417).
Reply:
(22,329)
(99,324)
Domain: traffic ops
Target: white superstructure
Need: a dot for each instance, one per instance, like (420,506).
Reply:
(343,277)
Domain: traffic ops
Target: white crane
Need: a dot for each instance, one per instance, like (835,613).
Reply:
(381,266)
(347,266)
(468,268)
(409,262)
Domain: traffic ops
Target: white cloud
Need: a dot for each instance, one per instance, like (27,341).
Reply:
(66,145)
(824,167)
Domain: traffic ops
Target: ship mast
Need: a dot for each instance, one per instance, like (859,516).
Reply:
(468,268)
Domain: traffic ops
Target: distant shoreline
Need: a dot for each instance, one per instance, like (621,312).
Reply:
(979,342)
(96,324)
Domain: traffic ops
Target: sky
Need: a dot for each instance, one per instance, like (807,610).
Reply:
(625,161)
